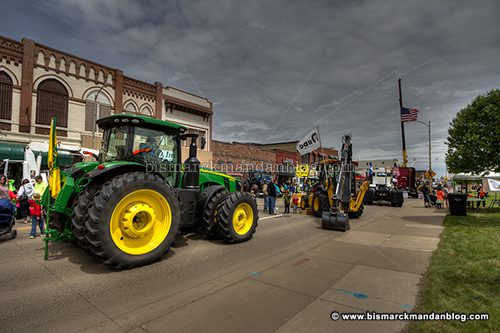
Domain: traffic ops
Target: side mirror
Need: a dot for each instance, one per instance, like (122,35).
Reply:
(203,143)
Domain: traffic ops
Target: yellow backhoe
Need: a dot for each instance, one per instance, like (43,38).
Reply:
(335,197)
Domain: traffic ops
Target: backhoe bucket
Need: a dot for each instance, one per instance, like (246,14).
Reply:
(335,221)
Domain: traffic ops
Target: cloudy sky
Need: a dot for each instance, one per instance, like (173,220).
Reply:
(276,69)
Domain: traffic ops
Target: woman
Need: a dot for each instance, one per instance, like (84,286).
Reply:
(24,194)
(4,188)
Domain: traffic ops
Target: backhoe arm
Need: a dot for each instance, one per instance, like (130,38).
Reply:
(356,202)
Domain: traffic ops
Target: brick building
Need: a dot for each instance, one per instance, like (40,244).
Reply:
(241,157)
(38,82)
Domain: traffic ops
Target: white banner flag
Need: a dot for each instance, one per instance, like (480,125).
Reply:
(494,185)
(309,143)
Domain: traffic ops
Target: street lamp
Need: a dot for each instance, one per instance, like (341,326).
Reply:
(96,111)
(430,157)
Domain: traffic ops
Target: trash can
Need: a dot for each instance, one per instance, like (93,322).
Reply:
(458,204)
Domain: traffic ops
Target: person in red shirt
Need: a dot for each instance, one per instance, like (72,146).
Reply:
(439,197)
(295,202)
(36,215)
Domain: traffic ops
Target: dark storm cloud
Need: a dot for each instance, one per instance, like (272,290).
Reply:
(276,69)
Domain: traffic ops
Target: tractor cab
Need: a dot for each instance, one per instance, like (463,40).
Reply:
(143,140)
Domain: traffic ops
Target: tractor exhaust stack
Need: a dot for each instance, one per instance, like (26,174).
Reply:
(192,165)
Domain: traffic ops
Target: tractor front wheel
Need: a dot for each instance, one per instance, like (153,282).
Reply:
(320,203)
(133,220)
(237,217)
(303,202)
(210,199)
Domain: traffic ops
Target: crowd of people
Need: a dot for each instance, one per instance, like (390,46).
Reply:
(434,197)
(271,190)
(438,196)
(26,201)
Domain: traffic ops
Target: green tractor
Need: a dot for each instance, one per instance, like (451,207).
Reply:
(127,207)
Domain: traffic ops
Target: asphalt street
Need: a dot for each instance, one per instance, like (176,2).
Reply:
(288,278)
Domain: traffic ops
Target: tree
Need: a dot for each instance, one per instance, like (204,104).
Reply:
(474,136)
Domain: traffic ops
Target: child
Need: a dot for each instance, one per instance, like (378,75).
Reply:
(295,202)
(286,198)
(439,198)
(36,215)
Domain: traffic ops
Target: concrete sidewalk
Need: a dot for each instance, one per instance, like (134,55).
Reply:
(377,266)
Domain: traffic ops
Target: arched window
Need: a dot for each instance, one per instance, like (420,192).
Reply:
(5,96)
(101,106)
(52,101)
(147,111)
(130,108)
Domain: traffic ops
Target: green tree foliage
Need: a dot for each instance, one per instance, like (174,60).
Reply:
(474,136)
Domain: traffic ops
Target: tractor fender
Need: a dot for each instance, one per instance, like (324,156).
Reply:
(207,194)
(110,171)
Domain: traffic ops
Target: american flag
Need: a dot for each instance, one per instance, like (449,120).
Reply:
(408,114)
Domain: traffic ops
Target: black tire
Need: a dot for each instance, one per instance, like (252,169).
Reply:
(396,198)
(357,214)
(98,235)
(13,234)
(80,214)
(304,202)
(224,217)
(369,195)
(210,199)
(324,205)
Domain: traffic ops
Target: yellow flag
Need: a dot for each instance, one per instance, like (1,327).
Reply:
(53,162)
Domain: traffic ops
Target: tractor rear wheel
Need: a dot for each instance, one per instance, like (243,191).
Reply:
(303,202)
(237,217)
(320,203)
(133,220)
(210,199)
(80,214)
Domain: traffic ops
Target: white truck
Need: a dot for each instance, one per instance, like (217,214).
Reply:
(382,189)
(31,165)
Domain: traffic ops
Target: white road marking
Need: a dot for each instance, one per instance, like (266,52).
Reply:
(270,217)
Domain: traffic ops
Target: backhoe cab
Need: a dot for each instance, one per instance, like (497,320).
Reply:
(127,208)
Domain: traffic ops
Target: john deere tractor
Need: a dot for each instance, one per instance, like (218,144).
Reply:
(127,207)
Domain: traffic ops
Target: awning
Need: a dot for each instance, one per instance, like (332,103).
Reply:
(65,158)
(15,151)
(11,150)
(466,176)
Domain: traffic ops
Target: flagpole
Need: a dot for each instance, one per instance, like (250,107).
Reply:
(405,156)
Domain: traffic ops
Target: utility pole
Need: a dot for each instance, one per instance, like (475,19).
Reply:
(430,156)
(405,156)
(430,140)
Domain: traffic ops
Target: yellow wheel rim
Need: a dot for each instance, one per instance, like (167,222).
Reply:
(140,222)
(316,204)
(242,218)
